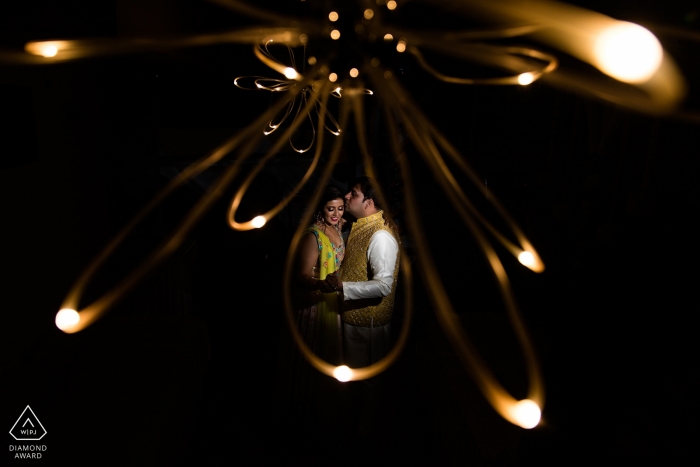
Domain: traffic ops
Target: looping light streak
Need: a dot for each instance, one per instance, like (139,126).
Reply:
(397,103)
(75,49)
(429,142)
(532,75)
(337,92)
(343,373)
(238,197)
(245,142)
(578,32)
(264,55)
(262,83)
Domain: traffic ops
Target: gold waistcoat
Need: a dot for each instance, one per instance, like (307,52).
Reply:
(355,268)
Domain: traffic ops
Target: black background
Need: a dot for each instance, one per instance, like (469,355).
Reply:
(186,368)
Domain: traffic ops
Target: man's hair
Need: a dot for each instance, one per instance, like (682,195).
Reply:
(367,188)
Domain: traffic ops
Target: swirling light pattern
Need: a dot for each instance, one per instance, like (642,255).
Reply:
(585,35)
(295,103)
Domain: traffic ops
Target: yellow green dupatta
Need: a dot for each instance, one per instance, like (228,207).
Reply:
(327,329)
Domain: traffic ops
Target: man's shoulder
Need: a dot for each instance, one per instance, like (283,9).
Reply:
(384,234)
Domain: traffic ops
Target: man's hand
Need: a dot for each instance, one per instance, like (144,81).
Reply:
(331,284)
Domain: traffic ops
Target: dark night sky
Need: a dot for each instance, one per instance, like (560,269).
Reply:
(185,367)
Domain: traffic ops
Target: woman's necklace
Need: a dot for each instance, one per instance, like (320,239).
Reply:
(335,239)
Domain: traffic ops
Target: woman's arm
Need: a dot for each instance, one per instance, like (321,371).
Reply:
(307,258)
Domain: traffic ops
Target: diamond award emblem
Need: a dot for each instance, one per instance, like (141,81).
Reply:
(27,427)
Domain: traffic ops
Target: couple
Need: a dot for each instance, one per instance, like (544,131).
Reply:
(349,322)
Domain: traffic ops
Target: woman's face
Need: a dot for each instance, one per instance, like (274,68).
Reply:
(333,211)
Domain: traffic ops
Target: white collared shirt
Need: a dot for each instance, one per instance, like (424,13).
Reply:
(381,257)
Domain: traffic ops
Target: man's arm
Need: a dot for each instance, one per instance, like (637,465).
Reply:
(381,257)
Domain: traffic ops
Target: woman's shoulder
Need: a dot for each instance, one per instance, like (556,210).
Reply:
(315,232)
(313,229)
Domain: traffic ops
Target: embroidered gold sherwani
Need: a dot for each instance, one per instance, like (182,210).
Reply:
(370,272)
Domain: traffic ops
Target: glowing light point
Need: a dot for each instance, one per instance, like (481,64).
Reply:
(369,13)
(312,60)
(401,46)
(332,77)
(342,373)
(391,4)
(526,78)
(335,34)
(388,37)
(67,318)
(354,72)
(258,222)
(333,16)
(45,49)
(303,38)
(374,62)
(628,52)
(49,50)
(527,259)
(526,413)
(388,74)
(291,73)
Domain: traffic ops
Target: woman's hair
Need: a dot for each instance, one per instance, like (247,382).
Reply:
(330,194)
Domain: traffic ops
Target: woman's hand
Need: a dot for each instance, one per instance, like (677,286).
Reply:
(331,284)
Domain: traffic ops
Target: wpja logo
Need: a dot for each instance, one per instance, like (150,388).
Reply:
(28,428)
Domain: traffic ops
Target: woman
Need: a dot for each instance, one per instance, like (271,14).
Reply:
(314,399)
(321,250)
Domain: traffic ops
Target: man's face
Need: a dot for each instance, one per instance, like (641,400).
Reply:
(353,202)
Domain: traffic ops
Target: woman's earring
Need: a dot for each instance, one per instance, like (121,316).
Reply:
(319,219)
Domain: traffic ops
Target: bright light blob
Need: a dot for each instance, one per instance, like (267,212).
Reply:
(628,52)
(342,373)
(526,413)
(527,259)
(66,319)
(526,78)
(290,73)
(49,51)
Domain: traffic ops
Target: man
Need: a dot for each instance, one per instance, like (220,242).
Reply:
(367,278)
